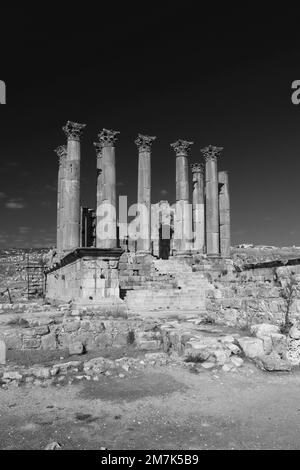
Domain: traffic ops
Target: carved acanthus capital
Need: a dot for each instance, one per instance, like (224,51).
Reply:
(197,168)
(182,148)
(62,153)
(144,142)
(108,138)
(73,130)
(212,153)
(99,147)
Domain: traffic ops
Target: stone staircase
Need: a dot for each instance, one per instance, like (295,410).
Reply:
(173,287)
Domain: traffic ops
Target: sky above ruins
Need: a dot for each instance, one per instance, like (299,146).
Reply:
(220,77)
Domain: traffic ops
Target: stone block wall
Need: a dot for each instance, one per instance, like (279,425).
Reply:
(252,296)
(84,279)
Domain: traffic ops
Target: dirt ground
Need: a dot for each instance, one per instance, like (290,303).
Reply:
(160,409)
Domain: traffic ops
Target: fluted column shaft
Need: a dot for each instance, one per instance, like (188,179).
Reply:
(198,207)
(183,217)
(61,153)
(106,233)
(212,200)
(144,144)
(225,220)
(71,188)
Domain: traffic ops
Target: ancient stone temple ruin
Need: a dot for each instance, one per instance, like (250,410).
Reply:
(101,260)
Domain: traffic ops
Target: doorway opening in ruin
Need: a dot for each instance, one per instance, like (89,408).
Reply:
(166,234)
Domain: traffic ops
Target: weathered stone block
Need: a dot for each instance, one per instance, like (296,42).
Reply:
(49,343)
(150,345)
(41,372)
(252,347)
(12,375)
(71,327)
(273,363)
(76,349)
(263,330)
(2,353)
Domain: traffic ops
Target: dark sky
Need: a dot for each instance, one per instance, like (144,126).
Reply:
(219,76)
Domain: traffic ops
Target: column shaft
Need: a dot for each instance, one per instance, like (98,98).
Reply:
(107,192)
(225,222)
(183,217)
(71,188)
(212,201)
(144,200)
(61,152)
(198,208)
(144,144)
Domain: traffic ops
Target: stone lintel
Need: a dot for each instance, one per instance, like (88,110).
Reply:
(99,253)
(108,138)
(73,130)
(212,153)
(144,143)
(182,147)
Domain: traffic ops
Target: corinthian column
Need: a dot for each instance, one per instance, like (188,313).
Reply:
(106,191)
(61,152)
(144,144)
(183,217)
(198,207)
(211,155)
(224,203)
(71,190)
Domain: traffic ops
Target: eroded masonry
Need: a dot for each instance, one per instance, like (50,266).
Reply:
(99,261)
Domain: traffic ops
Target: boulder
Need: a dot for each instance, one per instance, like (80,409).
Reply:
(280,344)
(252,347)
(237,361)
(294,333)
(264,330)
(273,363)
(228,368)
(221,357)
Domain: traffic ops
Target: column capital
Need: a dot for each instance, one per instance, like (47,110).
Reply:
(61,152)
(144,142)
(99,147)
(212,153)
(73,130)
(197,168)
(108,138)
(182,147)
